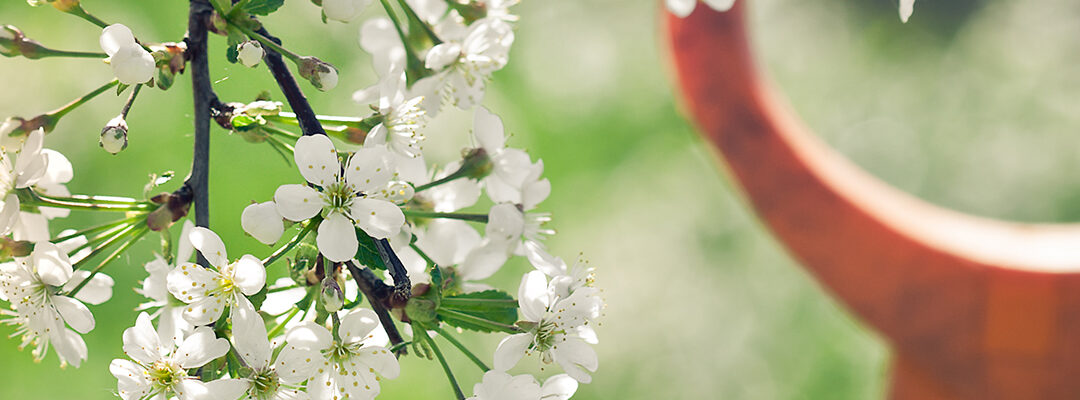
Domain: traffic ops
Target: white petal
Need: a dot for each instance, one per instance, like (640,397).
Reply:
(59,169)
(295,364)
(381,360)
(724,5)
(442,55)
(380,219)
(533,296)
(199,348)
(131,380)
(115,36)
(511,349)
(189,282)
(369,169)
(282,301)
(558,387)
(75,313)
(541,260)
(263,222)
(484,261)
(575,357)
(210,246)
(249,274)
(191,389)
(204,310)
(344,10)
(317,160)
(309,335)
(512,166)
(488,130)
(297,202)
(184,250)
(906,8)
(337,238)
(249,336)
(448,241)
(505,222)
(226,389)
(9,214)
(97,291)
(141,343)
(51,264)
(356,326)
(132,64)
(69,346)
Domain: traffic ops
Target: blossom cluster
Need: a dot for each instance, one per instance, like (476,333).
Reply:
(372,233)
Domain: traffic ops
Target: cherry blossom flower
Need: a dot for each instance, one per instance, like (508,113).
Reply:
(498,385)
(514,178)
(249,53)
(209,291)
(42,315)
(468,56)
(159,370)
(345,199)
(906,8)
(263,382)
(28,166)
(402,117)
(343,366)
(170,311)
(130,62)
(551,324)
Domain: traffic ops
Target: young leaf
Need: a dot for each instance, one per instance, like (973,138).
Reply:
(263,7)
(487,311)
(366,253)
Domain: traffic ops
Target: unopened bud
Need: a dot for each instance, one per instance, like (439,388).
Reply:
(330,293)
(321,74)
(114,135)
(10,37)
(15,248)
(306,257)
(65,5)
(249,53)
(477,164)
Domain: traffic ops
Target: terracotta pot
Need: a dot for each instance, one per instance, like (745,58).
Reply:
(973,308)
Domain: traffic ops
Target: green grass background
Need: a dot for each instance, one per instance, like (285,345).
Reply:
(971,106)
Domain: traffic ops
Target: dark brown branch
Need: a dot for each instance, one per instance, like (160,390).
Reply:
(198,181)
(309,124)
(402,286)
(378,294)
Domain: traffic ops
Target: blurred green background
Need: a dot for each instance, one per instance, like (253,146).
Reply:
(966,106)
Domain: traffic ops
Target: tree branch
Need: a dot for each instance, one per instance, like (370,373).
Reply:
(402,286)
(202,93)
(309,124)
(377,294)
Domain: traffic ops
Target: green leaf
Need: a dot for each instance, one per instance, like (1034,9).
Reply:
(487,311)
(120,87)
(366,253)
(263,7)
(235,38)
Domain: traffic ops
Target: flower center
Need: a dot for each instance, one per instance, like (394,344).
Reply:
(340,352)
(265,383)
(165,374)
(337,197)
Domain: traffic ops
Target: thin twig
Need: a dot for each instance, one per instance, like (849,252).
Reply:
(309,124)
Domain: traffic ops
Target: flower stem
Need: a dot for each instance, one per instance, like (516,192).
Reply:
(130,101)
(80,12)
(412,61)
(112,256)
(280,327)
(74,203)
(95,229)
(279,131)
(432,214)
(60,112)
(413,18)
(101,242)
(268,43)
(293,242)
(43,52)
(419,330)
(460,173)
(464,350)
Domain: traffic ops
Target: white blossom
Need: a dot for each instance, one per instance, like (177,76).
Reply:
(344,197)
(130,62)
(159,370)
(468,55)
(344,366)
(172,327)
(906,8)
(402,117)
(42,315)
(263,222)
(263,382)
(209,291)
(552,329)
(498,385)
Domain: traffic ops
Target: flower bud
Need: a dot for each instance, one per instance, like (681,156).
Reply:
(15,248)
(321,74)
(10,37)
(330,293)
(477,164)
(306,257)
(114,135)
(249,53)
(65,5)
